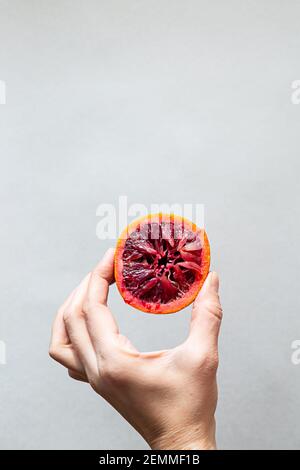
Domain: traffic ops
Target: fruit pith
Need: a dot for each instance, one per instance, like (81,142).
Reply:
(161,263)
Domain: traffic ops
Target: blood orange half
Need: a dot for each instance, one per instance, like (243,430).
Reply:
(161,263)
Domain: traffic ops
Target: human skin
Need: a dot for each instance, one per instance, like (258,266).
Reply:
(168,396)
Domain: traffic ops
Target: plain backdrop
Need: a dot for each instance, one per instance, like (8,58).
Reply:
(163,101)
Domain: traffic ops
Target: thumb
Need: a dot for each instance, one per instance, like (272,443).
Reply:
(207,314)
(102,276)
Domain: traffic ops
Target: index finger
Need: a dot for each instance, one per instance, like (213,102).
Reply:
(60,348)
(99,319)
(102,276)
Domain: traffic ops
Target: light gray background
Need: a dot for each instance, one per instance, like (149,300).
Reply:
(163,101)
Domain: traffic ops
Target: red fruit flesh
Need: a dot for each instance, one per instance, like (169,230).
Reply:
(162,265)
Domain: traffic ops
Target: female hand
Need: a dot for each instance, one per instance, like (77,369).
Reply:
(168,396)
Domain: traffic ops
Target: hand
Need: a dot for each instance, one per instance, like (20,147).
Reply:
(168,396)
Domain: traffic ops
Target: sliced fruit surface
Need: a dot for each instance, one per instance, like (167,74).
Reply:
(161,263)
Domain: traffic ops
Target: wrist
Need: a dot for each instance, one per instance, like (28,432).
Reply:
(185,440)
(184,445)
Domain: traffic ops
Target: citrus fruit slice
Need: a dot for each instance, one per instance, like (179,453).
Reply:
(161,262)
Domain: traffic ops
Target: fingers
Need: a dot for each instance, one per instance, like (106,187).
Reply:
(59,334)
(207,314)
(76,376)
(102,276)
(60,347)
(84,324)
(100,322)
(77,331)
